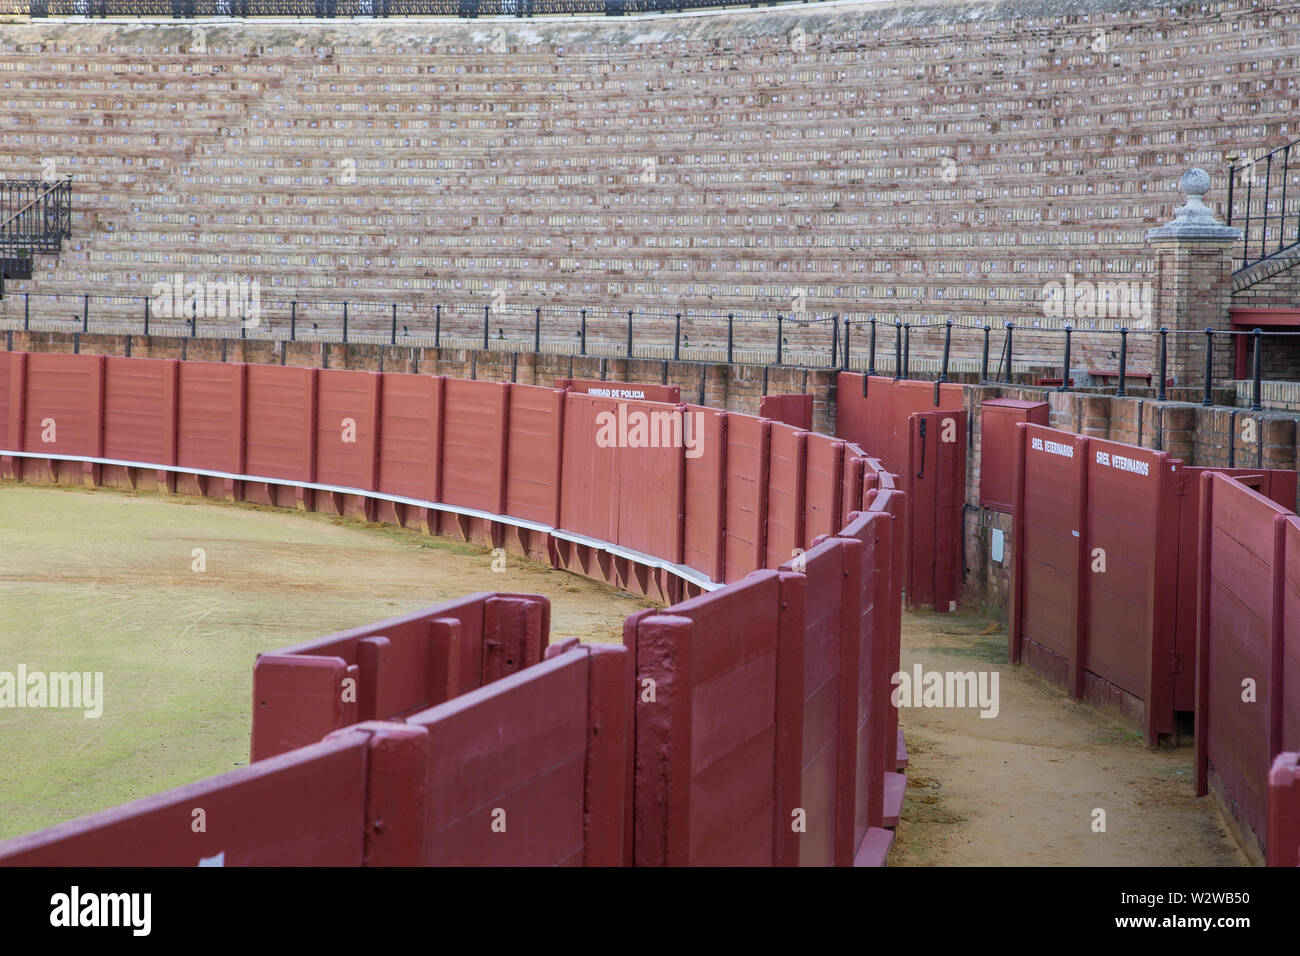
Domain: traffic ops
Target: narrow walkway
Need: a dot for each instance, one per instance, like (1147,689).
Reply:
(1021,788)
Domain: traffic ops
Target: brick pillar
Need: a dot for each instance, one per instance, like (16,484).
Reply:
(1194,284)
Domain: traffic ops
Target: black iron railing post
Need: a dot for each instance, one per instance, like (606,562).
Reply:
(848,362)
(907,348)
(293,320)
(146,315)
(582,335)
(437,326)
(1011,328)
(947,348)
(345,322)
(629,333)
(27,311)
(835,340)
(537,330)
(871,352)
(731,335)
(487,321)
(1123,362)
(984,362)
(394,335)
(1256,388)
(1065,371)
(780,319)
(1281,215)
(898,349)
(677,338)
(1163,394)
(1209,365)
(85,313)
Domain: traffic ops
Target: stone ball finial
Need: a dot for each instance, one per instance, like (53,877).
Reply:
(1193,219)
(1195,182)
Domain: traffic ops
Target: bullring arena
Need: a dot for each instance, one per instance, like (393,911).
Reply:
(837,434)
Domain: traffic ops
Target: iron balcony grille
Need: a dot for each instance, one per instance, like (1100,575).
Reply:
(35,216)
(1264,203)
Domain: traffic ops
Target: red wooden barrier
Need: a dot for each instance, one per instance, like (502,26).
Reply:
(823,486)
(748,446)
(785,494)
(1095,570)
(703,535)
(1248,645)
(212,417)
(410,435)
(874,413)
(303,808)
(1284,811)
(140,410)
(936,476)
(821,588)
(793,410)
(396,666)
(534,450)
(588,504)
(717,748)
(347,428)
(531,770)
(474,432)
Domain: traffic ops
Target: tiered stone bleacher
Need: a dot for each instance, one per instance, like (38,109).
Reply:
(913,161)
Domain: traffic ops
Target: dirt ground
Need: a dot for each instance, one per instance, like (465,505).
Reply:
(1021,788)
(104,581)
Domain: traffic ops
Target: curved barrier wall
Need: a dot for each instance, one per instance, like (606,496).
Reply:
(747,724)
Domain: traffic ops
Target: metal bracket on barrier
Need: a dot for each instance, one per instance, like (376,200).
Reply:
(687,574)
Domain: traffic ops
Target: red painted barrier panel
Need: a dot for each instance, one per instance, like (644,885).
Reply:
(821,588)
(64,404)
(347,428)
(1284,810)
(748,445)
(1046,562)
(281,430)
(396,666)
(474,433)
(588,502)
(1130,588)
(410,435)
(785,493)
(874,413)
(531,770)
(717,750)
(872,739)
(12,369)
(936,476)
(793,410)
(651,480)
(823,485)
(212,416)
(1244,641)
(140,409)
(704,539)
(998,436)
(304,808)
(534,453)
(623,391)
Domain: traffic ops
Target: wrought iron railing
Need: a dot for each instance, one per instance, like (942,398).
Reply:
(1264,203)
(182,9)
(35,216)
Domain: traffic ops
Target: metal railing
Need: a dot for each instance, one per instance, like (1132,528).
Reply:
(1258,203)
(184,9)
(758,337)
(35,216)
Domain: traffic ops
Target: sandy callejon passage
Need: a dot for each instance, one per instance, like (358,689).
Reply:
(105,582)
(1023,788)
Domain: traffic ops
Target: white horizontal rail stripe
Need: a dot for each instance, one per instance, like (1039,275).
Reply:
(688,574)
